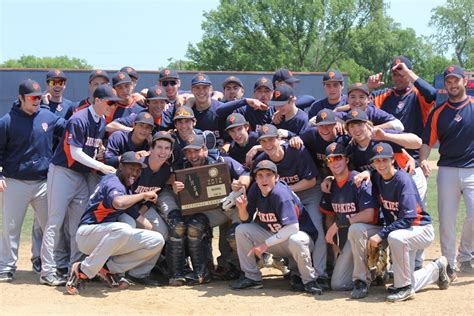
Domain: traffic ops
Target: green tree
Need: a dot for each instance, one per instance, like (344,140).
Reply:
(179,64)
(63,62)
(455,29)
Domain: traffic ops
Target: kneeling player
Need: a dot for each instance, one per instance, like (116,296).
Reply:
(407,228)
(275,229)
(113,247)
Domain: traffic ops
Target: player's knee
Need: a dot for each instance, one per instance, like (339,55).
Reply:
(177,228)
(121,230)
(356,231)
(298,241)
(396,238)
(197,227)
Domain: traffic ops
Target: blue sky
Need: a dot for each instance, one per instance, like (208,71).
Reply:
(143,34)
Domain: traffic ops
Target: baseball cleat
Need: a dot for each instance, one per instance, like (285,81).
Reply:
(401,294)
(52,280)
(443,279)
(246,283)
(451,274)
(466,268)
(6,277)
(36,265)
(76,280)
(360,290)
(177,281)
(107,277)
(313,288)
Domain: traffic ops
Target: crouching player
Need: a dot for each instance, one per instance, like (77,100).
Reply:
(407,228)
(275,229)
(113,247)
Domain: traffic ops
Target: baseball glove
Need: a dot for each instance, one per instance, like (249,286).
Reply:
(377,260)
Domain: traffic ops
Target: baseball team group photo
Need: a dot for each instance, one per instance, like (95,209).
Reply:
(248,192)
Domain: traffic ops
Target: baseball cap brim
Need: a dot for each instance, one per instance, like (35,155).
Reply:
(277,103)
(292,80)
(183,117)
(111,99)
(192,147)
(355,119)
(454,75)
(263,168)
(235,125)
(158,98)
(336,154)
(34,94)
(266,136)
(381,156)
(325,123)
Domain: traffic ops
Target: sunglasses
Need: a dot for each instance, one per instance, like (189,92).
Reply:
(53,83)
(169,82)
(33,97)
(110,103)
(334,158)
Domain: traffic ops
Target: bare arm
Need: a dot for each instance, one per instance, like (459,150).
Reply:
(303,185)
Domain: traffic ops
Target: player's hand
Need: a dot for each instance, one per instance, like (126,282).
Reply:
(258,250)
(3,185)
(106,169)
(378,134)
(241,202)
(283,133)
(295,142)
(425,166)
(144,222)
(138,98)
(332,230)
(340,129)
(257,104)
(336,250)
(410,166)
(101,153)
(326,184)
(312,121)
(277,117)
(236,185)
(375,81)
(142,153)
(217,95)
(151,196)
(180,101)
(251,155)
(342,108)
(403,71)
(178,186)
(361,177)
(374,241)
(46,97)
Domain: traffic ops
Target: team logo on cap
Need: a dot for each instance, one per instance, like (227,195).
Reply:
(379,149)
(232,78)
(265,129)
(98,71)
(232,119)
(183,113)
(397,61)
(277,94)
(358,84)
(323,115)
(44,126)
(263,163)
(332,148)
(200,77)
(354,113)
(57,72)
(264,80)
(190,139)
(450,69)
(166,72)
(36,86)
(129,70)
(121,76)
(331,74)
(147,115)
(158,91)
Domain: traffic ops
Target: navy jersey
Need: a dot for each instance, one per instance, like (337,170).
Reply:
(63,109)
(274,211)
(346,199)
(452,124)
(324,104)
(162,123)
(100,208)
(400,201)
(82,105)
(238,153)
(295,166)
(123,111)
(83,132)
(295,125)
(150,180)
(411,107)
(26,142)
(119,143)
(256,118)
(360,158)
(179,144)
(208,120)
(375,115)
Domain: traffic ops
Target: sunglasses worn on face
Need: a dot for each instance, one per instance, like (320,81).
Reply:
(33,97)
(53,83)
(334,158)
(169,82)
(110,103)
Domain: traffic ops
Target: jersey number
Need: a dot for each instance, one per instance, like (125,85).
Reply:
(274,227)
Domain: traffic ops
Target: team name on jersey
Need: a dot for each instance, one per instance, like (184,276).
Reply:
(344,207)
(142,189)
(389,205)
(291,179)
(93,142)
(267,217)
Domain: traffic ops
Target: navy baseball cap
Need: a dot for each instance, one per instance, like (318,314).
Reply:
(232,79)
(335,149)
(106,92)
(266,165)
(325,117)
(201,79)
(401,59)
(145,117)
(235,119)
(55,74)
(30,87)
(183,112)
(98,73)
(357,115)
(195,142)
(455,71)
(333,75)
(131,72)
(281,95)
(162,136)
(267,131)
(121,77)
(382,150)
(132,157)
(156,93)
(358,86)
(285,75)
(168,74)
(263,82)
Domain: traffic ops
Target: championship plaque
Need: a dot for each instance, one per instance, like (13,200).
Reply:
(204,187)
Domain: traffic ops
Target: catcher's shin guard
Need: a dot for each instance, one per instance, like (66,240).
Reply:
(197,245)
(175,245)
(76,280)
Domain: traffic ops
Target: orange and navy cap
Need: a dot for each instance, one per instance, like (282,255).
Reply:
(454,70)
(156,93)
(120,77)
(267,131)
(335,149)
(358,86)
(333,75)
(357,115)
(234,120)
(55,74)
(266,165)
(263,82)
(183,112)
(98,73)
(282,95)
(132,157)
(201,79)
(168,74)
(146,118)
(131,72)
(325,117)
(195,142)
(232,79)
(285,75)
(30,87)
(401,59)
(382,150)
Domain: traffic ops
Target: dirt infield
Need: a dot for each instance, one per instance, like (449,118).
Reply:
(26,296)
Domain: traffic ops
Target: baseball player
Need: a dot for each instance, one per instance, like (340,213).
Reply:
(270,214)
(110,245)
(169,80)
(68,189)
(137,140)
(451,125)
(96,78)
(126,104)
(137,97)
(284,77)
(233,89)
(346,204)
(333,84)
(26,148)
(242,140)
(407,229)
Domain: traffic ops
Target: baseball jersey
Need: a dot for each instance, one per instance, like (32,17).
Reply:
(100,207)
(360,157)
(295,125)
(81,131)
(295,166)
(26,142)
(324,104)
(256,118)
(400,202)
(162,123)
(179,144)
(82,105)
(452,124)
(150,180)
(208,120)
(63,109)
(239,153)
(119,143)
(123,111)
